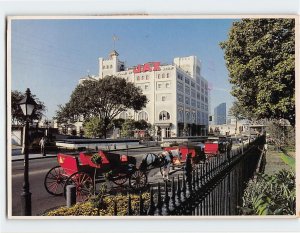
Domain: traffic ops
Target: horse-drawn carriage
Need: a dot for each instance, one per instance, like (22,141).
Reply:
(89,168)
(214,146)
(174,156)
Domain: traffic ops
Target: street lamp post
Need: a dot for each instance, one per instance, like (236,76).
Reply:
(27,105)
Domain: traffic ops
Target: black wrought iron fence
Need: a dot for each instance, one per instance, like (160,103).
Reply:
(213,188)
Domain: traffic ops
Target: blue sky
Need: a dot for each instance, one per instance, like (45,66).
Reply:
(50,56)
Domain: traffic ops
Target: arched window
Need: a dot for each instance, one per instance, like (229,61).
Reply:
(187,116)
(167,75)
(143,116)
(164,115)
(180,115)
(123,115)
(194,117)
(163,76)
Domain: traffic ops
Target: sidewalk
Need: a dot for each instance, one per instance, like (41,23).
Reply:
(273,161)
(17,156)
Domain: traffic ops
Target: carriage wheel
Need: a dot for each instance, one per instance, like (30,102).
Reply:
(54,181)
(83,183)
(138,180)
(120,179)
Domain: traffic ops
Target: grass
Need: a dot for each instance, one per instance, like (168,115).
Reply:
(274,162)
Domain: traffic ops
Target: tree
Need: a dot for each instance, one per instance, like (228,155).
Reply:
(16,111)
(128,128)
(93,127)
(237,111)
(260,57)
(104,98)
(142,125)
(118,122)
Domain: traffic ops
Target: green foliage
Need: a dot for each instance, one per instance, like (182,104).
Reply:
(91,208)
(105,98)
(238,112)
(271,195)
(93,127)
(260,57)
(281,135)
(288,160)
(118,122)
(16,112)
(128,128)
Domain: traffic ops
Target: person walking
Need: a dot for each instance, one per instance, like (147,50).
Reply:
(42,144)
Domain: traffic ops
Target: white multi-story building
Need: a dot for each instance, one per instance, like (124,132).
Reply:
(177,94)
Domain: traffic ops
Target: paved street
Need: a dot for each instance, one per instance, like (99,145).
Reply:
(41,200)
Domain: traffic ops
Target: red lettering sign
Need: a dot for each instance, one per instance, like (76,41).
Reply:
(146,67)
(156,66)
(137,69)
(151,66)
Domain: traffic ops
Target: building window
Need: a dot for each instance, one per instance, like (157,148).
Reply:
(167,75)
(168,132)
(180,115)
(158,85)
(187,100)
(111,66)
(138,78)
(180,98)
(163,98)
(187,81)
(187,90)
(193,93)
(103,67)
(163,75)
(123,115)
(147,77)
(143,116)
(192,84)
(198,117)
(193,117)
(187,116)
(158,76)
(142,77)
(164,115)
(146,87)
(167,85)
(193,103)
(179,86)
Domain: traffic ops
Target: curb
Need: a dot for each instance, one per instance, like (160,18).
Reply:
(54,155)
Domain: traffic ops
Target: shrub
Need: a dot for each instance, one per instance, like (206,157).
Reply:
(270,195)
(103,206)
